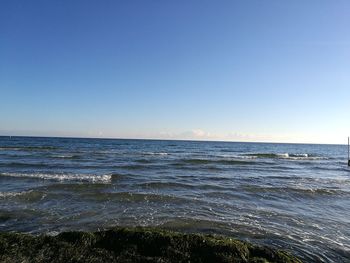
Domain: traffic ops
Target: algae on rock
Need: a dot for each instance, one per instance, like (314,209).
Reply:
(134,245)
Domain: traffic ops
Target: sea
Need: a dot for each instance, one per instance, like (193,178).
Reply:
(294,197)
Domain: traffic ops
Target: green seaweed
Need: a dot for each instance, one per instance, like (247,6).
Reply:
(134,245)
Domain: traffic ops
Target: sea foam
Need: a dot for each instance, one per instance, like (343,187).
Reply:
(63,177)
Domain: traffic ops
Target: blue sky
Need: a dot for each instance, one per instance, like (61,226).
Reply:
(213,70)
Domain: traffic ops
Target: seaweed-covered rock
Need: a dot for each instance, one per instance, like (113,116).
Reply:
(133,245)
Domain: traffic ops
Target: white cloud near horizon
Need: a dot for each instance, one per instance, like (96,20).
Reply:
(194,134)
(199,134)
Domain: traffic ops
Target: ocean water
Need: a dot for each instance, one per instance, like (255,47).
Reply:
(290,196)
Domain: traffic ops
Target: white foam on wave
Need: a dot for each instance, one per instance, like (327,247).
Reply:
(12,194)
(233,157)
(305,156)
(300,155)
(63,156)
(290,156)
(63,177)
(282,155)
(155,153)
(10,149)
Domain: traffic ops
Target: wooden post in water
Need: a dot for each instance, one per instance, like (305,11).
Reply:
(348,151)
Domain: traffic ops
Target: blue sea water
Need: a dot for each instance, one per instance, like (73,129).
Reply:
(290,196)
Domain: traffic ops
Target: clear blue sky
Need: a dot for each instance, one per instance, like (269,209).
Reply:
(222,70)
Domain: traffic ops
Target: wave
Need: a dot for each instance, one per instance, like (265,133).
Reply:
(143,161)
(155,153)
(13,194)
(117,176)
(66,156)
(133,167)
(62,177)
(161,185)
(141,166)
(24,165)
(214,161)
(295,156)
(304,191)
(140,197)
(28,196)
(192,224)
(28,148)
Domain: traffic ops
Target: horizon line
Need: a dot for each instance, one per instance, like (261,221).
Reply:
(163,139)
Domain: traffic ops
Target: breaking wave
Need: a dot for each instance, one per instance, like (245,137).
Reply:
(155,153)
(28,148)
(66,156)
(62,177)
(295,156)
(26,196)
(214,161)
(13,194)
(295,190)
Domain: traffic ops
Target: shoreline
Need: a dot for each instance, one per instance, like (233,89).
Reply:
(134,244)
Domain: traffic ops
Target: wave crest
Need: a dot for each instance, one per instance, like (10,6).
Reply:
(198,161)
(62,177)
(293,156)
(28,148)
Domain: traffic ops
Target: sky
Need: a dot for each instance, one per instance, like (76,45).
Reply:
(268,71)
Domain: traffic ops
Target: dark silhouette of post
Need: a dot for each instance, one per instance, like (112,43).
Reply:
(348,152)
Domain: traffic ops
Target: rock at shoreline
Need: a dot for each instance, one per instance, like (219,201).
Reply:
(133,245)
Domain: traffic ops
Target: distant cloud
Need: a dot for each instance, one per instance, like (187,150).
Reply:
(194,134)
(199,134)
